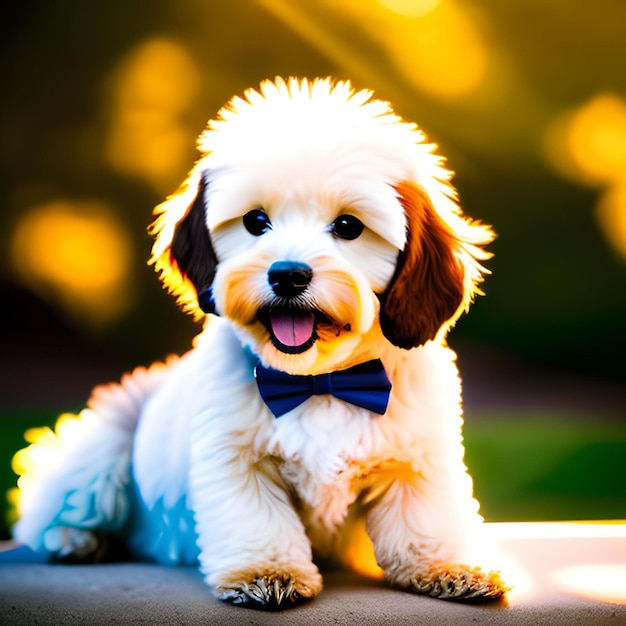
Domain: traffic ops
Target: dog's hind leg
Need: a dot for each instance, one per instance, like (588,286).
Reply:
(74,486)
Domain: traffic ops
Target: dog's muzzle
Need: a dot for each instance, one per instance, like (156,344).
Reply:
(291,324)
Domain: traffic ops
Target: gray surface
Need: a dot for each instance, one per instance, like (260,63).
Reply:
(131,593)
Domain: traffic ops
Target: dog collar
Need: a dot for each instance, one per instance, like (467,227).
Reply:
(365,385)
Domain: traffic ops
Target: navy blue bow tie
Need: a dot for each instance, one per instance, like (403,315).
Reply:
(365,385)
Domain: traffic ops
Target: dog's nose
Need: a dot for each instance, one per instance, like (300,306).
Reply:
(289,279)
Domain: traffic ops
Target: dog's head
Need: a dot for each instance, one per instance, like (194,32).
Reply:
(319,223)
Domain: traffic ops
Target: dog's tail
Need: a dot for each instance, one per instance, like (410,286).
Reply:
(78,475)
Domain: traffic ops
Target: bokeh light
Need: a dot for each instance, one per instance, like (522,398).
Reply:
(77,253)
(152,90)
(611,216)
(588,145)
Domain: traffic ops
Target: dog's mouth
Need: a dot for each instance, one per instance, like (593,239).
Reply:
(292,330)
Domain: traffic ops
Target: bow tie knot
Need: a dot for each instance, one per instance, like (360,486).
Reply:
(322,384)
(365,385)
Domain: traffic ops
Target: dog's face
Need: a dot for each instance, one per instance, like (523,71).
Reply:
(318,223)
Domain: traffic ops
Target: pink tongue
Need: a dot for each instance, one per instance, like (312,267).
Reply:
(292,328)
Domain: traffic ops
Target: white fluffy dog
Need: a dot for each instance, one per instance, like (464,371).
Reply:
(319,235)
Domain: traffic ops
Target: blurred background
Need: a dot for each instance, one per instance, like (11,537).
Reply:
(100,108)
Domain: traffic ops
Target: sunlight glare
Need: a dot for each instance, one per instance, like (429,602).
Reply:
(599,581)
(558,530)
(605,582)
(410,8)
(441,53)
(437,46)
(359,555)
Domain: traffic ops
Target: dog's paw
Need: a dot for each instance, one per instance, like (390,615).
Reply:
(461,583)
(75,545)
(272,590)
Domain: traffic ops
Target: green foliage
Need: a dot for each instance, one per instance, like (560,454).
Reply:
(547,467)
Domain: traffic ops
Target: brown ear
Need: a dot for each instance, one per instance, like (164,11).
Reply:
(183,253)
(428,286)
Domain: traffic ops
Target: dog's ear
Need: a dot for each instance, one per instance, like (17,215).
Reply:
(183,254)
(436,275)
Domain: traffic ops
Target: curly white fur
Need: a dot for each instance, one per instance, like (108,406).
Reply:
(208,473)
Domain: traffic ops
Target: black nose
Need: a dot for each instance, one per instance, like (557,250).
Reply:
(289,279)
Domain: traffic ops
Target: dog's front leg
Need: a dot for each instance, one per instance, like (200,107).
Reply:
(426,530)
(253,547)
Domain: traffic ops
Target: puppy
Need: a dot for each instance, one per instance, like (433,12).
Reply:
(321,241)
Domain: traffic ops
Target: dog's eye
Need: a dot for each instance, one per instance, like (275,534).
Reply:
(257,222)
(347,227)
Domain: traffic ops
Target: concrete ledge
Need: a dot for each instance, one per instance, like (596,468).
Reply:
(566,573)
